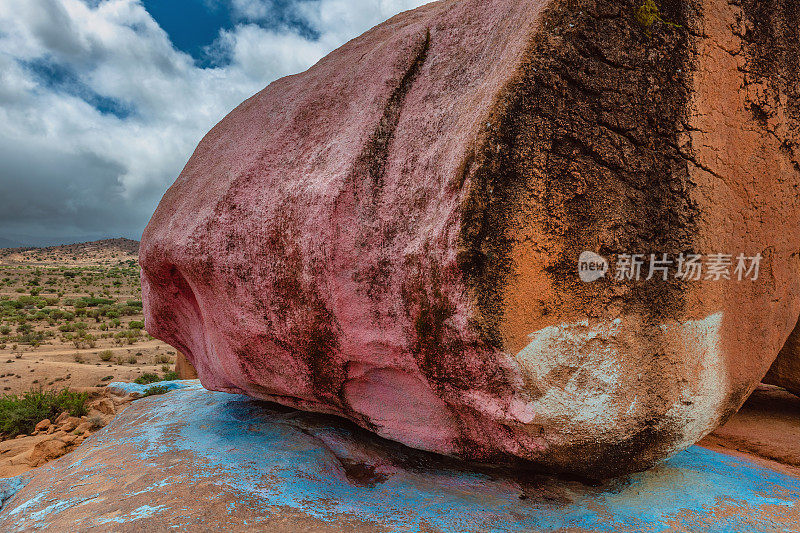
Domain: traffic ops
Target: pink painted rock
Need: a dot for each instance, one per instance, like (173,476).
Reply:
(393,235)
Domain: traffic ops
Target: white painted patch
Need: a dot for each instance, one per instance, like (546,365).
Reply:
(708,384)
(592,378)
(577,367)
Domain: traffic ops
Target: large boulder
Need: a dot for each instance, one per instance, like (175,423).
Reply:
(393,236)
(194,460)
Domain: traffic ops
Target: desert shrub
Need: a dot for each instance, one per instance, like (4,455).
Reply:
(163,359)
(127,310)
(147,378)
(20,414)
(135,324)
(171,376)
(106,355)
(91,301)
(132,360)
(155,390)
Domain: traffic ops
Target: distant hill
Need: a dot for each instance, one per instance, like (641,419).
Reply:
(107,250)
(8,243)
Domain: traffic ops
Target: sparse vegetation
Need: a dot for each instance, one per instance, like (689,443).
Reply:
(20,414)
(147,378)
(649,13)
(78,303)
(155,390)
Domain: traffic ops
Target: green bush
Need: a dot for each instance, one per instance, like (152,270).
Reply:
(20,414)
(135,324)
(106,355)
(91,301)
(147,378)
(155,389)
(171,376)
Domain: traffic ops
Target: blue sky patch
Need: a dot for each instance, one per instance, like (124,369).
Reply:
(194,25)
(59,78)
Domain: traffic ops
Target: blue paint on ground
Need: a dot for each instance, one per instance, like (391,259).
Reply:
(131,388)
(276,458)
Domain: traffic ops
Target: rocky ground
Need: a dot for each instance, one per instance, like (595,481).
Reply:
(71,317)
(765,430)
(196,460)
(54,438)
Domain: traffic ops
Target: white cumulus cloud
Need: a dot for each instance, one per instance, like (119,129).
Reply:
(99,111)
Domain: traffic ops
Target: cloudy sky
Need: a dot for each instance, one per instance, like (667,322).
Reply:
(103,101)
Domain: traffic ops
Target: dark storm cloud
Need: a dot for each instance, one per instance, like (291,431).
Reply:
(102,101)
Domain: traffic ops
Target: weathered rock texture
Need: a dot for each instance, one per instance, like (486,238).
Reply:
(785,371)
(392,236)
(765,430)
(194,460)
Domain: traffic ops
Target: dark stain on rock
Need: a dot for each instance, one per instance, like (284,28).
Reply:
(771,40)
(371,164)
(362,474)
(448,361)
(298,318)
(584,143)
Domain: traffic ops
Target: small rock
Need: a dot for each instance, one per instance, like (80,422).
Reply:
(43,425)
(104,405)
(63,416)
(70,424)
(47,451)
(68,439)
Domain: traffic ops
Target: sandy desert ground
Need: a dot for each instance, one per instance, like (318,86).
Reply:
(71,316)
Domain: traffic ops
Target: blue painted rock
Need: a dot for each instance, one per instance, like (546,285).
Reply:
(393,236)
(194,460)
